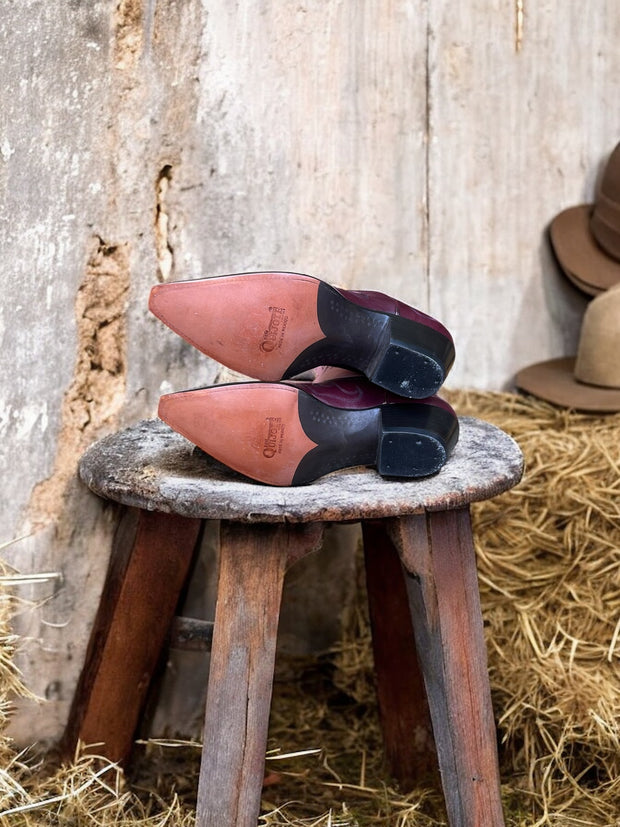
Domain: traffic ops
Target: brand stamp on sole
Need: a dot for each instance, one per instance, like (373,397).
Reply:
(275,435)
(272,337)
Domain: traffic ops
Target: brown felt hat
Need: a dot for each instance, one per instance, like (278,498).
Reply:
(591,380)
(586,239)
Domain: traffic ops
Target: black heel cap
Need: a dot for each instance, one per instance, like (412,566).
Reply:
(416,439)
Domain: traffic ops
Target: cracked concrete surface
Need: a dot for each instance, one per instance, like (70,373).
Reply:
(165,252)
(97,392)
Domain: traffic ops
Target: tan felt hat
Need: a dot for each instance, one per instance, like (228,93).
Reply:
(591,380)
(586,238)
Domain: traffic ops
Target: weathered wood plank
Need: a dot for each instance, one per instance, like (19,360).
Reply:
(148,568)
(438,553)
(253,560)
(403,708)
(317,145)
(515,135)
(162,470)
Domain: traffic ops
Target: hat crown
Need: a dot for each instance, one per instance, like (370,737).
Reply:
(610,182)
(598,357)
(605,220)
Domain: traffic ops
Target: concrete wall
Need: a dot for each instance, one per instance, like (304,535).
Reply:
(413,146)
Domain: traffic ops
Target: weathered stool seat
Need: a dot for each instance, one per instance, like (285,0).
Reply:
(420,529)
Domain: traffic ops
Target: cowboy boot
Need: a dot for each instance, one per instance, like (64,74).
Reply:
(273,326)
(290,433)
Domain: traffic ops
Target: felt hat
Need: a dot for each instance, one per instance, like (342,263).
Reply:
(586,238)
(591,380)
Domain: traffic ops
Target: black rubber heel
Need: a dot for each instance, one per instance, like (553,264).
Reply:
(406,357)
(415,440)
(412,359)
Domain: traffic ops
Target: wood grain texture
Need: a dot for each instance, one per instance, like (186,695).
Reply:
(161,469)
(253,560)
(437,552)
(403,708)
(148,568)
(515,136)
(317,141)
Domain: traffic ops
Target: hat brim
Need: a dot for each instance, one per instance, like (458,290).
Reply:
(581,258)
(554,381)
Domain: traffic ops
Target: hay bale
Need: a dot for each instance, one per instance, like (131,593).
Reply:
(549,570)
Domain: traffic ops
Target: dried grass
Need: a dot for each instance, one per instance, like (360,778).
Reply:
(549,565)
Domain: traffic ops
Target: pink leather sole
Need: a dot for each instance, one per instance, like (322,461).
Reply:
(253,428)
(254,323)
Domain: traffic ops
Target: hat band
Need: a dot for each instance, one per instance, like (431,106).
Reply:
(605,224)
(587,380)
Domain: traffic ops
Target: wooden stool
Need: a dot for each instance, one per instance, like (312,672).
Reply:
(419,529)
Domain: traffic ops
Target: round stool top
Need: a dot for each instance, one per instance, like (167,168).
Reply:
(150,466)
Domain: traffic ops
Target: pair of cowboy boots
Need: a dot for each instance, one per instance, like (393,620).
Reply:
(374,405)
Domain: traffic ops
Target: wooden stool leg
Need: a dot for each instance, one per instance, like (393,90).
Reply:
(149,564)
(401,697)
(253,560)
(438,554)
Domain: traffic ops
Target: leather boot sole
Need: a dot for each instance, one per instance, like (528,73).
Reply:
(273,326)
(281,435)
